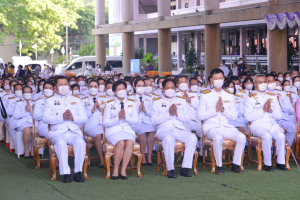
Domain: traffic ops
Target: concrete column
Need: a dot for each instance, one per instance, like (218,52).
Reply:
(243,47)
(200,2)
(164,9)
(179,49)
(277,50)
(128,51)
(128,11)
(178,4)
(164,50)
(258,40)
(212,50)
(136,42)
(211,4)
(198,43)
(272,2)
(100,40)
(145,45)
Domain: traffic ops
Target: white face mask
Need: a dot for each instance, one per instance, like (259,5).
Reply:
(170,93)
(153,84)
(249,86)
(93,91)
(63,90)
(218,83)
(242,80)
(148,89)
(288,78)
(81,83)
(12,89)
(121,77)
(115,79)
(27,96)
(183,86)
(32,87)
(287,88)
(41,88)
(75,92)
(237,87)
(280,79)
(72,82)
(297,84)
(140,90)
(160,86)
(32,81)
(48,92)
(109,92)
(271,86)
(121,94)
(6,87)
(18,93)
(278,87)
(200,80)
(194,88)
(101,88)
(231,90)
(128,88)
(262,87)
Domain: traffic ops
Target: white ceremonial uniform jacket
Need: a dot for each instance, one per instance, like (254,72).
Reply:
(55,106)
(111,117)
(94,119)
(144,117)
(5,100)
(20,115)
(193,106)
(161,117)
(37,95)
(205,87)
(287,108)
(38,111)
(207,109)
(293,95)
(254,111)
(10,107)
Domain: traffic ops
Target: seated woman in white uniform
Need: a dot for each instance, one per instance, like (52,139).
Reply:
(248,88)
(39,91)
(39,109)
(94,127)
(75,89)
(119,115)
(23,117)
(31,84)
(129,88)
(101,82)
(144,128)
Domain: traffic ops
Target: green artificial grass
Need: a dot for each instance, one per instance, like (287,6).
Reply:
(19,180)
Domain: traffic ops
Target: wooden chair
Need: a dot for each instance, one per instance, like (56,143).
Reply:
(179,148)
(53,157)
(110,151)
(38,143)
(297,140)
(256,141)
(227,144)
(90,141)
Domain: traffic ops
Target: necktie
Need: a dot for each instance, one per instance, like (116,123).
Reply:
(141,99)
(94,99)
(122,105)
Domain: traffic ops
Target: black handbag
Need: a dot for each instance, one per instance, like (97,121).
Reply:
(2,109)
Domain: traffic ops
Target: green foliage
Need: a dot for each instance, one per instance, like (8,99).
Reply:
(107,51)
(60,59)
(139,53)
(148,56)
(86,50)
(191,60)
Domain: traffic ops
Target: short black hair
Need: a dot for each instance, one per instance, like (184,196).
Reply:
(247,80)
(75,85)
(108,82)
(17,85)
(13,80)
(244,74)
(268,75)
(117,83)
(216,71)
(234,78)
(227,84)
(49,83)
(94,82)
(148,60)
(164,83)
(160,79)
(177,78)
(208,78)
(40,81)
(79,77)
(235,63)
(71,77)
(295,78)
(223,61)
(284,82)
(120,74)
(286,73)
(127,78)
(25,88)
(280,73)
(21,79)
(60,78)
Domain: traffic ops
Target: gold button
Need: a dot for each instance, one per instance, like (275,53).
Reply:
(65,104)
(122,122)
(122,127)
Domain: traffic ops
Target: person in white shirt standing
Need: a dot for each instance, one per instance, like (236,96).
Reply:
(235,69)
(224,68)
(88,69)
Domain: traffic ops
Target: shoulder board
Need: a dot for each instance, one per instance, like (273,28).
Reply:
(19,100)
(180,97)
(154,94)
(103,96)
(84,98)
(201,91)
(5,94)
(228,91)
(293,92)
(154,99)
(130,94)
(278,90)
(131,100)
(75,96)
(237,95)
(148,95)
(192,91)
(205,86)
(270,93)
(81,94)
(206,91)
(242,91)
(50,96)
(252,95)
(11,97)
(110,101)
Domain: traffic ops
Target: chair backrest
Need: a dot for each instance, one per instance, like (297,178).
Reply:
(104,138)
(249,131)
(203,138)
(35,134)
(296,120)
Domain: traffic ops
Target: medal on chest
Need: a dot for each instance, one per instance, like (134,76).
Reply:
(56,103)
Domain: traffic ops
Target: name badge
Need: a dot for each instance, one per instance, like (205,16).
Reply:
(73,103)
(129,106)
(226,101)
(56,103)
(164,104)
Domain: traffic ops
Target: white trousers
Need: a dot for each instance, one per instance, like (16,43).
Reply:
(61,143)
(290,128)
(197,127)
(218,134)
(168,140)
(2,134)
(266,142)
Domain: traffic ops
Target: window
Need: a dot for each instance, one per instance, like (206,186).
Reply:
(74,66)
(116,63)
(186,5)
(93,63)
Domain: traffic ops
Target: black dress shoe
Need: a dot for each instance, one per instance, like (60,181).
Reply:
(150,163)
(114,177)
(154,152)
(237,169)
(185,172)
(268,168)
(281,167)
(200,158)
(144,163)
(26,157)
(172,174)
(57,168)
(67,178)
(78,177)
(219,170)
(101,166)
(123,177)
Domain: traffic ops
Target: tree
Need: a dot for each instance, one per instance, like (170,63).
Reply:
(87,50)
(191,60)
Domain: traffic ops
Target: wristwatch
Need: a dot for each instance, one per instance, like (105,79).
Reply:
(223,110)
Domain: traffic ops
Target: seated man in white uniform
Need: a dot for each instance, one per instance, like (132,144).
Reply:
(216,108)
(64,112)
(169,114)
(262,110)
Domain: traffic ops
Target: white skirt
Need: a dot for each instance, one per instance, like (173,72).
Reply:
(24,125)
(143,128)
(95,131)
(114,139)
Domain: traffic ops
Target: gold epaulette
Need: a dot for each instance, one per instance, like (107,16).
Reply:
(278,90)
(81,94)
(201,91)
(110,101)
(228,91)
(154,94)
(270,93)
(19,100)
(5,94)
(131,100)
(237,95)
(103,96)
(11,97)
(206,91)
(154,99)
(84,98)
(293,92)
(252,95)
(75,96)
(130,94)
(180,97)
(205,86)
(50,96)
(192,92)
(148,95)
(242,91)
